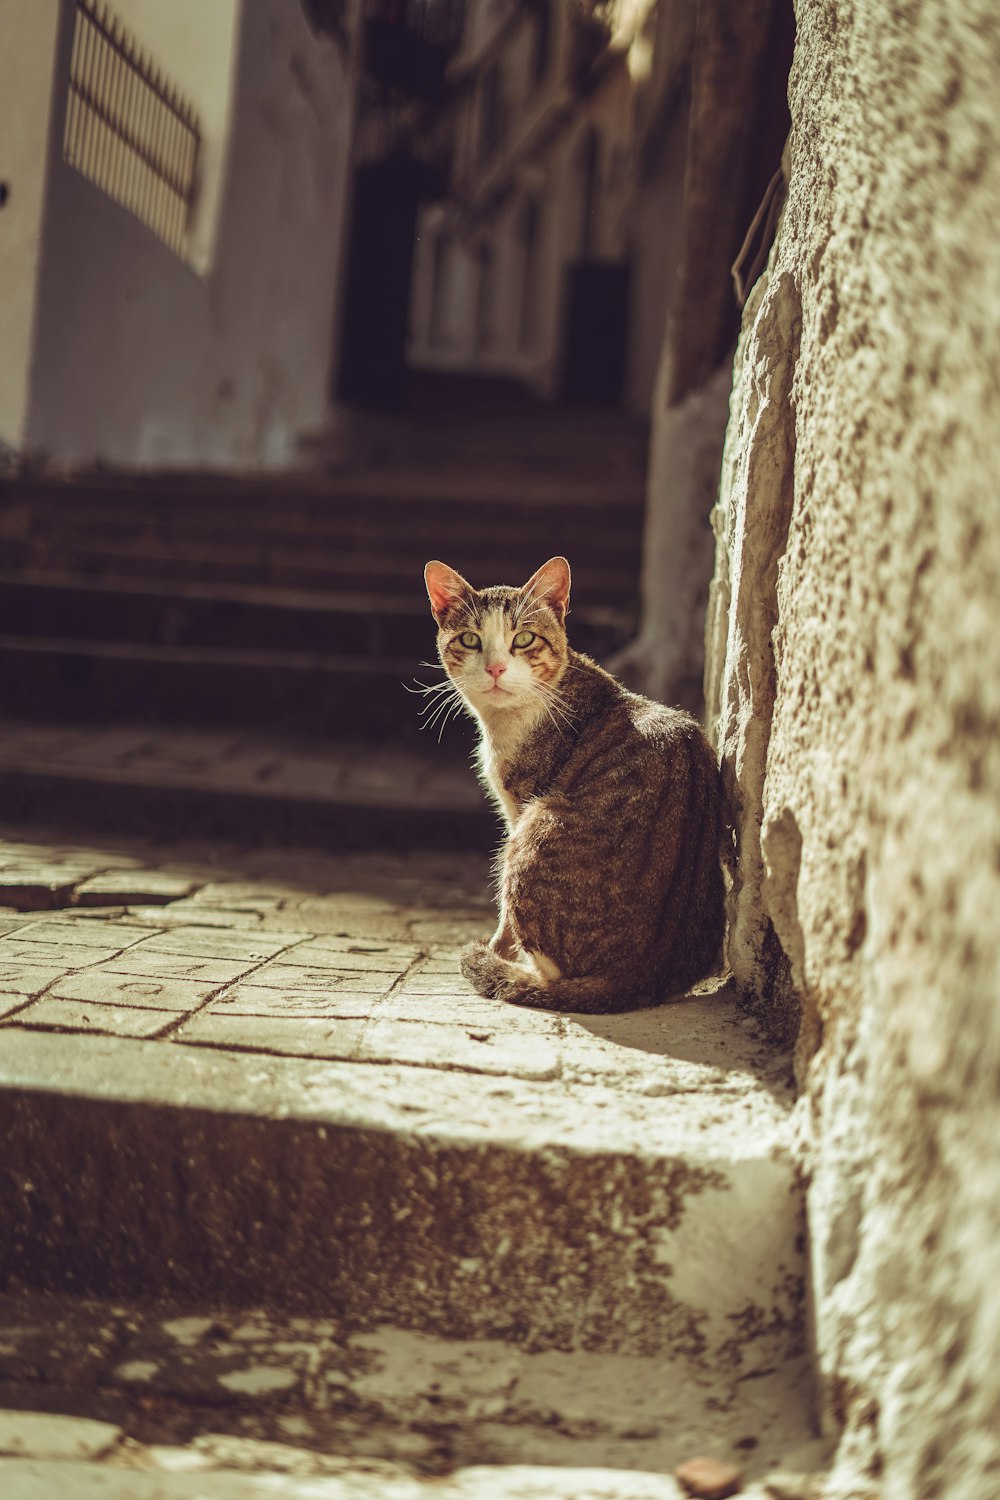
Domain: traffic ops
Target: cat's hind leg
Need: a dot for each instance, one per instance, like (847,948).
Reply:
(525,984)
(490,973)
(505,941)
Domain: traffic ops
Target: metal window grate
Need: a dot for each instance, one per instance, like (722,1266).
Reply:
(127,130)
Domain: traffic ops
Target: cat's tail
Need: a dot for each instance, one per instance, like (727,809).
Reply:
(499,979)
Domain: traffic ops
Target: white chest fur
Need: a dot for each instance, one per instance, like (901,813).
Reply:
(490,776)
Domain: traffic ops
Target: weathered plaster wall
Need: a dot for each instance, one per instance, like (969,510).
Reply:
(854,672)
(657,245)
(194,45)
(666,659)
(138,360)
(28,33)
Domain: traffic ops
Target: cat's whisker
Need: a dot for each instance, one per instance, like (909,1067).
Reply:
(558,714)
(519,614)
(455,708)
(443,714)
(428,688)
(442,709)
(432,711)
(556,706)
(555,722)
(538,691)
(553,691)
(438,691)
(433,704)
(529,619)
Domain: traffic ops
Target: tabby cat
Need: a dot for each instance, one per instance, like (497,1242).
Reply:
(610,881)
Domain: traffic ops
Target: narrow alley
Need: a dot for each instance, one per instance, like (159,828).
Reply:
(335,1165)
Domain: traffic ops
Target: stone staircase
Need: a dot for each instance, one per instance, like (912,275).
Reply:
(288,617)
(286,1208)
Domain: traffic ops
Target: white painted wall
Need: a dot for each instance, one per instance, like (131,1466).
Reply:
(28,34)
(141,362)
(194,45)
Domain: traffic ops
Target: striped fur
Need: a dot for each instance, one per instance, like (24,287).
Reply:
(610,882)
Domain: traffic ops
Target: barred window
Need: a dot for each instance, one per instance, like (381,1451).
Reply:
(128,130)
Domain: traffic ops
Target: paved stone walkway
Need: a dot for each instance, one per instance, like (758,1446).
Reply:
(498,1235)
(292,953)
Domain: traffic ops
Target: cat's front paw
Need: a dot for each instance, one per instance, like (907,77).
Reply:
(478,965)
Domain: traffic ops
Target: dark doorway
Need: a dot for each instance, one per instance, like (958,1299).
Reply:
(596,324)
(587,161)
(596,295)
(372,367)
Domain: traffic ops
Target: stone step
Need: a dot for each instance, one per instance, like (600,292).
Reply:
(421,496)
(504,537)
(310,691)
(82,607)
(432,1162)
(272,1169)
(465,426)
(174,1392)
(253,561)
(219,784)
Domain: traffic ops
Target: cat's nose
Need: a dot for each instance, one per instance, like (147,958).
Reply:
(496,669)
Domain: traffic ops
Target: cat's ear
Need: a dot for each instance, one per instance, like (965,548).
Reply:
(444,587)
(551,584)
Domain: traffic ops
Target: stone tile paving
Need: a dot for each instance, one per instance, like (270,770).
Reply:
(351,958)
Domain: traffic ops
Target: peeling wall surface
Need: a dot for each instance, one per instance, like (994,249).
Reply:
(854,679)
(141,362)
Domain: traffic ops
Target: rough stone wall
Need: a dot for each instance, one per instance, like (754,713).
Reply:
(854,675)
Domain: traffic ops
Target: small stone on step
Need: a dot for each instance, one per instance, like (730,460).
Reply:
(708,1478)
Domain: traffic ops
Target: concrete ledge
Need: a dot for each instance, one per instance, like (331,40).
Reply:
(486,1207)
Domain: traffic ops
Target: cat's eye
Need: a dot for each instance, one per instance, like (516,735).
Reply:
(470,640)
(524,638)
